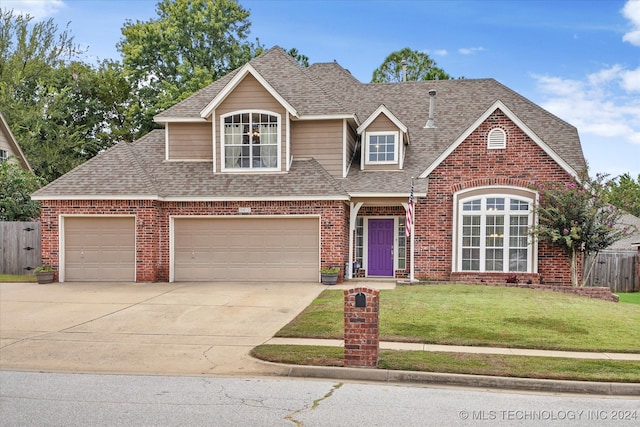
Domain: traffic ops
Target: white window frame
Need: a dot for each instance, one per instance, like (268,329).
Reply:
(250,168)
(4,155)
(483,213)
(497,139)
(396,136)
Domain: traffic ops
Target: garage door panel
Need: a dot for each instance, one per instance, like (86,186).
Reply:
(99,248)
(251,249)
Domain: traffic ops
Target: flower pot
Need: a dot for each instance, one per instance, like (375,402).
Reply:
(329,278)
(44,277)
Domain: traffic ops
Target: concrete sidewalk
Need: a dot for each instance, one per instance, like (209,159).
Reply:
(464,349)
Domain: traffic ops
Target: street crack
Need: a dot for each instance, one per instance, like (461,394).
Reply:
(316,403)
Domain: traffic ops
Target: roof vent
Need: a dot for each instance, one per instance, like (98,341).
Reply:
(431,124)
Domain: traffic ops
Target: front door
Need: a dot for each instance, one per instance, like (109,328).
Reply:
(380,252)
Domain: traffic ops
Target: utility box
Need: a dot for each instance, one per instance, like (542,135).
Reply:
(361,327)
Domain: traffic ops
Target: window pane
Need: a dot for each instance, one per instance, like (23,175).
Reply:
(382,148)
(494,260)
(473,205)
(495,204)
(251,141)
(518,259)
(471,259)
(519,205)
(402,244)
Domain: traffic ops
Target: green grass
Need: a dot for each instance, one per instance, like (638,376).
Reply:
(632,298)
(9,278)
(483,316)
(475,364)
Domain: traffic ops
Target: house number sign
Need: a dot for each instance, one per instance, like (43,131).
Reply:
(244,210)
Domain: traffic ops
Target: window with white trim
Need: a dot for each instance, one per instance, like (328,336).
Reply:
(4,155)
(493,234)
(250,140)
(382,148)
(497,139)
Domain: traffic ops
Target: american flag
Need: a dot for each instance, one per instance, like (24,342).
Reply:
(409,221)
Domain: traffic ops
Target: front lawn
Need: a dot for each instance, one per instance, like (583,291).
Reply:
(632,298)
(483,316)
(480,316)
(14,278)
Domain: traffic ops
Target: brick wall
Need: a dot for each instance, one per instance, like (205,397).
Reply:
(471,165)
(152,227)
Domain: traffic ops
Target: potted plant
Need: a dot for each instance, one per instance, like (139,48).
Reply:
(44,274)
(329,276)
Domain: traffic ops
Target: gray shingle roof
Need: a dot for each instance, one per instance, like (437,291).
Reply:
(320,89)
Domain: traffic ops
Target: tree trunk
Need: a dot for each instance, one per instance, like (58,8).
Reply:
(574,268)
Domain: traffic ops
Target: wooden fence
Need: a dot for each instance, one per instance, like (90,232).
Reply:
(614,269)
(19,247)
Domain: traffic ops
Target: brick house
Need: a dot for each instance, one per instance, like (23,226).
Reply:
(276,171)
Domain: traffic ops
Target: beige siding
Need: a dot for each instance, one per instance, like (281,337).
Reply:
(190,141)
(4,143)
(251,95)
(382,124)
(322,140)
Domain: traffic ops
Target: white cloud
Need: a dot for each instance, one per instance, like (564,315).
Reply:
(470,50)
(440,52)
(603,104)
(38,9)
(631,11)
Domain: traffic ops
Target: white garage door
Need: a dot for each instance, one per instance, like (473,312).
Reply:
(246,249)
(99,249)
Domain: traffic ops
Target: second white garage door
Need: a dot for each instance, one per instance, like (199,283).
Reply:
(246,249)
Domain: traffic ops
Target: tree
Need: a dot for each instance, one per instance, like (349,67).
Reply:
(303,60)
(191,44)
(576,217)
(16,185)
(418,65)
(624,193)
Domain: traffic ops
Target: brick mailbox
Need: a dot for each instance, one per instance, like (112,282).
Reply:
(361,327)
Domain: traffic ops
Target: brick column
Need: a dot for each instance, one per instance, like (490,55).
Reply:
(361,327)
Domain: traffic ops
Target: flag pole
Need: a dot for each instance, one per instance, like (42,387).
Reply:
(413,240)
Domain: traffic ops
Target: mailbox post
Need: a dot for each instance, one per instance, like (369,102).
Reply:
(361,327)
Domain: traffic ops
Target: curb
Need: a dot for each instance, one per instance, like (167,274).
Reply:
(460,380)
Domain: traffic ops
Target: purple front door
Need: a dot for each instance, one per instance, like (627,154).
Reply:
(380,249)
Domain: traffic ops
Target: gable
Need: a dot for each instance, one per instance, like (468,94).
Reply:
(250,94)
(9,144)
(499,106)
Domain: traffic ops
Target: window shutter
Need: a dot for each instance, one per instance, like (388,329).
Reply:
(497,139)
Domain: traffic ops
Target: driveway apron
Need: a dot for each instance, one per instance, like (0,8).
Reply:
(147,328)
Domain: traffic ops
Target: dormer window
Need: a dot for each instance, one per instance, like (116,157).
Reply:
(251,140)
(382,148)
(497,139)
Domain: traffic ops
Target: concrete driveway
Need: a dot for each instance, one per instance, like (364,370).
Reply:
(149,328)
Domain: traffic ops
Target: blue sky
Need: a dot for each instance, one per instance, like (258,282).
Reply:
(579,59)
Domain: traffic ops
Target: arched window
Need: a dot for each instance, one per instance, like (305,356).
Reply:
(493,233)
(496,139)
(251,140)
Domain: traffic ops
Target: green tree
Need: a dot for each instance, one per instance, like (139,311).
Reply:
(418,67)
(16,185)
(624,193)
(303,60)
(576,217)
(191,44)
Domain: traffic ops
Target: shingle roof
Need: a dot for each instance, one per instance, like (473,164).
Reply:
(320,89)
(138,171)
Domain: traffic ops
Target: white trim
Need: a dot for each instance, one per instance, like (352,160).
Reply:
(386,195)
(235,81)
(166,142)
(288,156)
(214,135)
(345,147)
(193,199)
(62,247)
(382,109)
(278,166)
(499,105)
(396,148)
